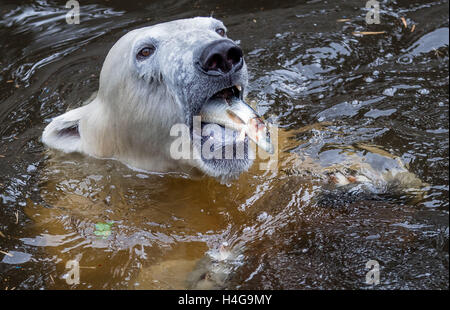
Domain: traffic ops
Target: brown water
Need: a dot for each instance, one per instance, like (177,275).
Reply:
(328,89)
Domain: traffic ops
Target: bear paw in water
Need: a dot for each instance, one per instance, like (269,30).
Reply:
(213,270)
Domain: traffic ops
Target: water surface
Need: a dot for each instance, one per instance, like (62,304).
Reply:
(329,89)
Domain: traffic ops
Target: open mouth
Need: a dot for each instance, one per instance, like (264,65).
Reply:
(227,119)
(228,94)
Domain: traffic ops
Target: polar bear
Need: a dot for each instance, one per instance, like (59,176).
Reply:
(152,79)
(158,77)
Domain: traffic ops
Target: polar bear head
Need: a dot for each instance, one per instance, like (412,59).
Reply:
(154,78)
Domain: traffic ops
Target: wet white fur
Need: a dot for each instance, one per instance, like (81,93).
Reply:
(137,103)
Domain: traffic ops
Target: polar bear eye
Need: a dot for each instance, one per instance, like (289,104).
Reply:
(145,52)
(221,32)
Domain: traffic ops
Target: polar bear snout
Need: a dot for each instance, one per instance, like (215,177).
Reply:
(221,57)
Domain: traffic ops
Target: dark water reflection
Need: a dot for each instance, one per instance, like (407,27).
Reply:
(306,66)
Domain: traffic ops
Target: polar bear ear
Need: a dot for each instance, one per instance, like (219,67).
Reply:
(63,131)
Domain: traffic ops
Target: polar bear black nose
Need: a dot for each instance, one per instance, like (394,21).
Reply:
(221,57)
